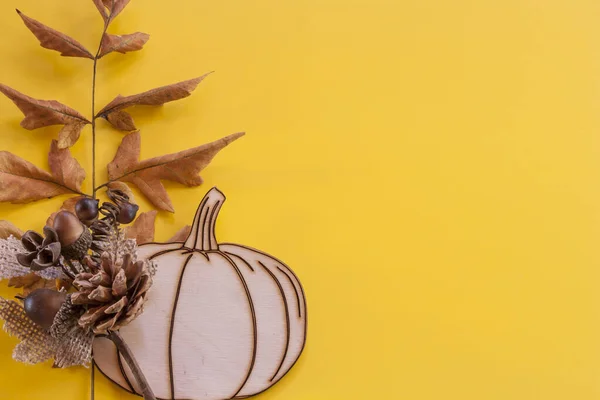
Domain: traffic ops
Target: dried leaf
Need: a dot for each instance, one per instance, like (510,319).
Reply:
(123,187)
(40,113)
(182,167)
(181,234)
(67,205)
(65,168)
(7,229)
(69,134)
(101,8)
(123,43)
(115,7)
(109,9)
(142,229)
(121,120)
(154,97)
(54,40)
(23,182)
(31,282)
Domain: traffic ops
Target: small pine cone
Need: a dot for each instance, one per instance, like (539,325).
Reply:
(114,292)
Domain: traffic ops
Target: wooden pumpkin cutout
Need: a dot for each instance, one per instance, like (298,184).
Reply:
(222,321)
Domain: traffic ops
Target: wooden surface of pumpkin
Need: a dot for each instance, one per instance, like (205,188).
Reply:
(222,321)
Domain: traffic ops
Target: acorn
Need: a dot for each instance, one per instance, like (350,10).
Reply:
(74,237)
(42,305)
(87,209)
(127,213)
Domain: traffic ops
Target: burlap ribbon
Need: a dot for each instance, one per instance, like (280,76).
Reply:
(66,342)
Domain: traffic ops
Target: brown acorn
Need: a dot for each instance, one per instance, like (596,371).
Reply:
(86,210)
(127,213)
(42,305)
(74,237)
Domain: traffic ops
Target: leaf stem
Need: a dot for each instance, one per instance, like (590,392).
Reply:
(103,185)
(92,381)
(94,107)
(129,358)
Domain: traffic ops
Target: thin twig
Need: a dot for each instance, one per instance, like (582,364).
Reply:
(94,108)
(92,381)
(103,185)
(129,358)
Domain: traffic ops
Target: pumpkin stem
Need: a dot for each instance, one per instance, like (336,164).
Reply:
(202,237)
(117,339)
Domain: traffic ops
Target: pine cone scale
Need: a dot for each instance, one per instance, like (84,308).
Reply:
(117,307)
(116,292)
(119,285)
(92,315)
(101,294)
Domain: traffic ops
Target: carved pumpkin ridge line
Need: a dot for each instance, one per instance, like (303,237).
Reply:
(244,261)
(287,317)
(204,220)
(195,224)
(254,322)
(212,221)
(172,325)
(295,291)
(123,372)
(160,253)
(301,292)
(279,262)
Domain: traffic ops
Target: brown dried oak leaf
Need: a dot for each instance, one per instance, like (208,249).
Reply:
(69,134)
(54,40)
(31,282)
(182,167)
(154,97)
(23,182)
(41,113)
(7,229)
(121,120)
(123,43)
(109,9)
(181,234)
(142,230)
(67,205)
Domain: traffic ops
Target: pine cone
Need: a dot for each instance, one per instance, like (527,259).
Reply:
(114,292)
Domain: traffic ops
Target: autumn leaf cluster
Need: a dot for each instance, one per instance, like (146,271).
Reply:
(22,182)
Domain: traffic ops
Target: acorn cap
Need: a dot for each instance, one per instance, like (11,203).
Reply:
(74,237)
(79,248)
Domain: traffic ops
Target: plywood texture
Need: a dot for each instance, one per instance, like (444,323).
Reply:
(222,321)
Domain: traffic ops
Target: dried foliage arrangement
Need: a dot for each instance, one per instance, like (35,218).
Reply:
(81,277)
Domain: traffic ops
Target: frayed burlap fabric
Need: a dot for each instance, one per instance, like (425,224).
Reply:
(65,342)
(74,344)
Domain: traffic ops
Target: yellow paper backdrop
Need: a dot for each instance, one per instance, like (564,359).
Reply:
(429,168)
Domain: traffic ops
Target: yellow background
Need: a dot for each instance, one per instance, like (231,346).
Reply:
(429,168)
